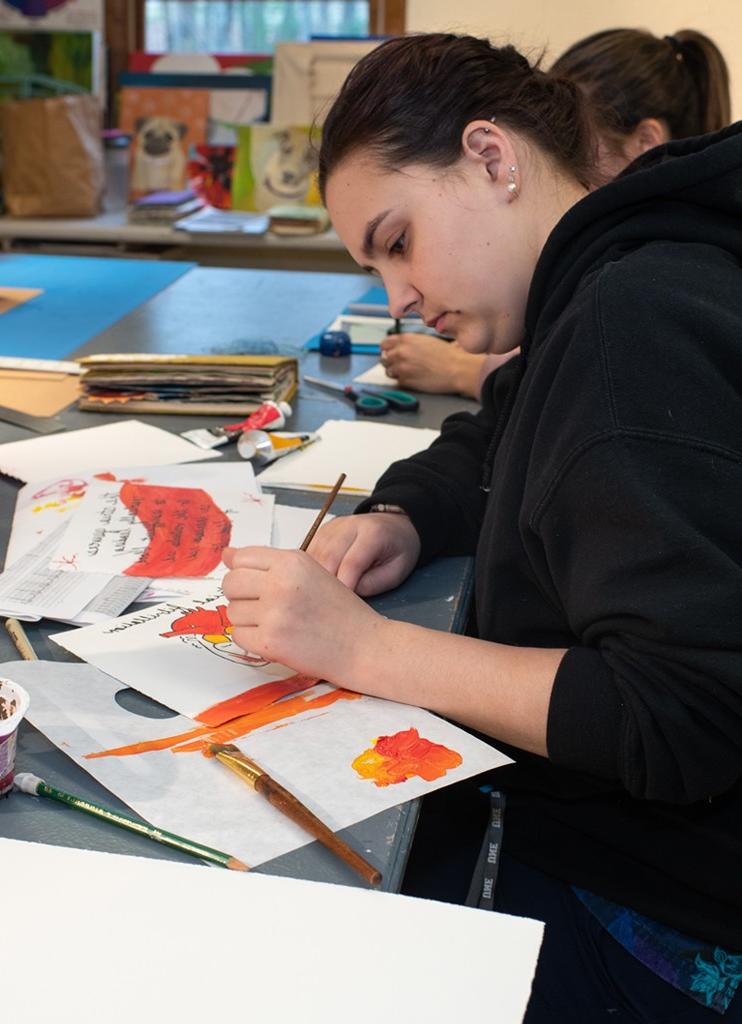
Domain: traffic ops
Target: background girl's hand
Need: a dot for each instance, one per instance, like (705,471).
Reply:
(368,553)
(287,608)
(425,363)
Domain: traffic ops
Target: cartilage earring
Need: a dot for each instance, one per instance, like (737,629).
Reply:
(511,186)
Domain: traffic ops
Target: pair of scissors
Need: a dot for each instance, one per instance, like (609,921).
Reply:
(370,403)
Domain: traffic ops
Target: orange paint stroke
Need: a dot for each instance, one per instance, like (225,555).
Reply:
(200,621)
(275,713)
(229,731)
(146,745)
(187,530)
(406,754)
(253,700)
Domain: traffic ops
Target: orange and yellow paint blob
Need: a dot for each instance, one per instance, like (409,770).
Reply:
(403,756)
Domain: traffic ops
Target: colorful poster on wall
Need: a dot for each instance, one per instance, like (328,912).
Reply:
(163,124)
(64,56)
(72,15)
(201,63)
(210,171)
(275,166)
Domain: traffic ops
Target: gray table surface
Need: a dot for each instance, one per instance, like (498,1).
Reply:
(215,310)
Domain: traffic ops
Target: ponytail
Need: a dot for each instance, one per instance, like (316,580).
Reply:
(629,75)
(709,72)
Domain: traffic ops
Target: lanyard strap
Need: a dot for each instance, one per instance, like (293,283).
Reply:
(484,879)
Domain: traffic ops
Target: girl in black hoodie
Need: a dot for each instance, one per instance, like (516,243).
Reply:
(598,489)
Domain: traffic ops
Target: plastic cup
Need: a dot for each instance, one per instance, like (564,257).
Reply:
(13,707)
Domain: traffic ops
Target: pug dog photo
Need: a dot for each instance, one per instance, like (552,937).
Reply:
(158,161)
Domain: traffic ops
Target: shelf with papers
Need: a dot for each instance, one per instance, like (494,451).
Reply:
(111,233)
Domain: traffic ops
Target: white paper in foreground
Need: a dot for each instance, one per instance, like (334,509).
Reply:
(192,670)
(94,448)
(322,745)
(363,450)
(426,961)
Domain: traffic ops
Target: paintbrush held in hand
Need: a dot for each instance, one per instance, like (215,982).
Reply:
(322,513)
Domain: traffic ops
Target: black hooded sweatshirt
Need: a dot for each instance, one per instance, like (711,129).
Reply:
(612,450)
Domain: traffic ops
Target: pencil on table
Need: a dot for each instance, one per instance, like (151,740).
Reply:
(287,803)
(322,513)
(21,641)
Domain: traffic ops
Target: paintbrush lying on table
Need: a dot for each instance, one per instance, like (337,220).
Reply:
(287,803)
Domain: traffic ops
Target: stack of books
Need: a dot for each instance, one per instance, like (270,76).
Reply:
(202,385)
(298,220)
(164,207)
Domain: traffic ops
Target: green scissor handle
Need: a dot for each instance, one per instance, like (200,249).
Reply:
(400,401)
(369,405)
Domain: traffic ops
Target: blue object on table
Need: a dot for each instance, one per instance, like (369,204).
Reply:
(334,343)
(81,297)
(374,296)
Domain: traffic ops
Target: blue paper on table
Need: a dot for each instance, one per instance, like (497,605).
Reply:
(375,296)
(81,296)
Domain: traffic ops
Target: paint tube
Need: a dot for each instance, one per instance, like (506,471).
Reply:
(263,447)
(268,416)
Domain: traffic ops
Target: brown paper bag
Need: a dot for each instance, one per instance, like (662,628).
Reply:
(52,156)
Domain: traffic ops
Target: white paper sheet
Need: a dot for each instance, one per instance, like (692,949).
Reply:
(425,961)
(310,746)
(362,450)
(97,448)
(42,505)
(376,375)
(115,598)
(30,589)
(291,525)
(141,528)
(191,671)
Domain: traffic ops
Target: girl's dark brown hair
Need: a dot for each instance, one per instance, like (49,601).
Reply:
(408,101)
(629,75)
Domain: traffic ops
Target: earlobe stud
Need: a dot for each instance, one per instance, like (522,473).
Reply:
(511,186)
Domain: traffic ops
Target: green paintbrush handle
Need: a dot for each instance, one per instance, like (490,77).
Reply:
(28,783)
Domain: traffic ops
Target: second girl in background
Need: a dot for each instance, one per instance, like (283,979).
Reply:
(643,91)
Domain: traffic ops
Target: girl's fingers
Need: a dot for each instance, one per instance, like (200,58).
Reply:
(243,584)
(243,613)
(249,558)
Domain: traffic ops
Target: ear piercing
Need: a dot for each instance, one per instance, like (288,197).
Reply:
(511,186)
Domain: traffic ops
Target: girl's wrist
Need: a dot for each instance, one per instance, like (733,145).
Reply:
(371,651)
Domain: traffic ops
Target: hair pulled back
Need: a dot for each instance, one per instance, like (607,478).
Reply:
(408,101)
(629,75)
